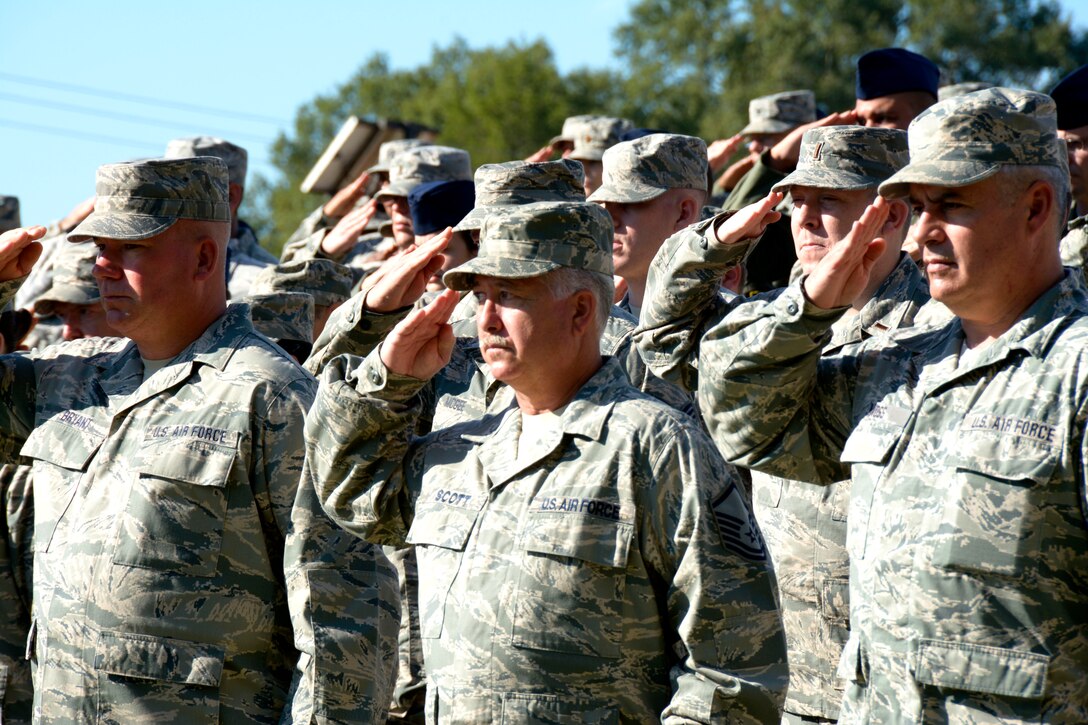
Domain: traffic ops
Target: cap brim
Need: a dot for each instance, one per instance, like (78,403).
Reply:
(937,173)
(45,305)
(767,127)
(586,156)
(826,179)
(560,139)
(460,278)
(400,188)
(112,225)
(635,193)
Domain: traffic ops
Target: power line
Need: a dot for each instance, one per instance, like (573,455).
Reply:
(81,135)
(112,115)
(117,95)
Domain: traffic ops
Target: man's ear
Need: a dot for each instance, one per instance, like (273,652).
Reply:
(898,217)
(208,254)
(584,311)
(1040,205)
(688,213)
(235,192)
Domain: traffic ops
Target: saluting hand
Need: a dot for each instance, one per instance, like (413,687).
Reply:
(402,280)
(421,344)
(844,271)
(19,250)
(346,232)
(751,221)
(344,200)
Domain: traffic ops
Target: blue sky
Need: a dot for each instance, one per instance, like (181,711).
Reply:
(82,84)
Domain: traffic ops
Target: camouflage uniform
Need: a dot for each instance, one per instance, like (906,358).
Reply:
(967,536)
(1074,244)
(302,244)
(614,576)
(597,134)
(163,508)
(9,213)
(804,523)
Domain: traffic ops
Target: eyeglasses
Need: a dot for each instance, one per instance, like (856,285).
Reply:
(1074,144)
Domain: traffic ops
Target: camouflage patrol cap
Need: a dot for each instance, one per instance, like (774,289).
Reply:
(283,315)
(570,128)
(780,112)
(9,213)
(414,166)
(388,150)
(328,282)
(961,89)
(73,281)
(967,139)
(534,239)
(644,169)
(514,183)
(235,157)
(596,135)
(140,199)
(847,158)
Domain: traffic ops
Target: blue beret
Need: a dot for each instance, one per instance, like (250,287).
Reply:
(634,133)
(436,205)
(895,70)
(1071,97)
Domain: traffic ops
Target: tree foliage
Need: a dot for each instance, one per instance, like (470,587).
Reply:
(688,66)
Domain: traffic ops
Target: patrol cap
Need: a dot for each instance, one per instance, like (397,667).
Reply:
(847,158)
(780,112)
(9,213)
(139,199)
(388,150)
(235,157)
(967,139)
(328,282)
(283,315)
(596,135)
(73,281)
(513,183)
(440,204)
(895,70)
(1071,97)
(534,239)
(570,128)
(961,89)
(415,166)
(644,169)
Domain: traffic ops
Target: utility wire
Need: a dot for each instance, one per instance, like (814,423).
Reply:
(117,95)
(115,116)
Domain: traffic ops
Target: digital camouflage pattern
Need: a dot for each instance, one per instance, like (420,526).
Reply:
(645,168)
(847,158)
(235,157)
(969,138)
(244,241)
(140,199)
(1074,245)
(532,239)
(571,124)
(597,134)
(420,164)
(326,281)
(804,523)
(73,281)
(614,576)
(967,535)
(16,532)
(519,182)
(9,213)
(163,508)
(780,112)
(961,89)
(388,150)
(283,315)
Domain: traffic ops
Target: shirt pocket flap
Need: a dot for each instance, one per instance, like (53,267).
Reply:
(159,658)
(64,445)
(447,527)
(194,462)
(591,539)
(975,668)
(1005,458)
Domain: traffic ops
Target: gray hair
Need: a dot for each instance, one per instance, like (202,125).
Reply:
(1016,179)
(565,281)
